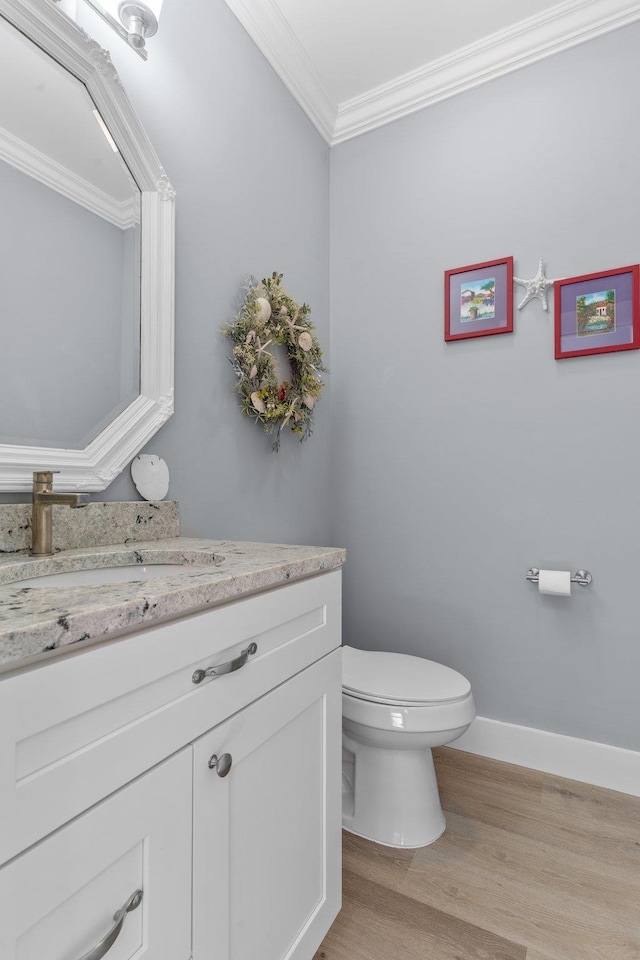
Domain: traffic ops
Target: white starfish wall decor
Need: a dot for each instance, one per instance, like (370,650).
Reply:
(536,287)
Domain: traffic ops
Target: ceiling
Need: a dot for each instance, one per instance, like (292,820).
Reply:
(354,65)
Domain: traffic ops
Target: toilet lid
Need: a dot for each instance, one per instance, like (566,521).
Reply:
(397,678)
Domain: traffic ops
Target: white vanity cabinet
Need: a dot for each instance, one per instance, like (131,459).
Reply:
(107,786)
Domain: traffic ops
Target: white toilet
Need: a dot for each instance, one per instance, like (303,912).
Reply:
(394,709)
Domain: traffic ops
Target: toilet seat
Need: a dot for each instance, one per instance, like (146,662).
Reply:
(397,679)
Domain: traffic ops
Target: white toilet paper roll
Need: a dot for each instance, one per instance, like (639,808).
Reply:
(555,582)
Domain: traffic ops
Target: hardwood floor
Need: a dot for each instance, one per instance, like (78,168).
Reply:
(530,867)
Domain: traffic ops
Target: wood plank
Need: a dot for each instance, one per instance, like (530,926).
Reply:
(379,924)
(541,863)
(386,865)
(527,891)
(575,816)
(533,954)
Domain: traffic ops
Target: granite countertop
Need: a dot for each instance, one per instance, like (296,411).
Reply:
(38,622)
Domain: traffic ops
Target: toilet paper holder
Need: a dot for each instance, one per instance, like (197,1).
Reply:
(583,577)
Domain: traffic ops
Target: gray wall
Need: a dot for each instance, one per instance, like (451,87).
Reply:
(252,181)
(455,467)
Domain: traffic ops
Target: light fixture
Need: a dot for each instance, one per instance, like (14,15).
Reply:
(133,20)
(139,21)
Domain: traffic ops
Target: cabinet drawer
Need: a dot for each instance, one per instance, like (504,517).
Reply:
(58,900)
(78,728)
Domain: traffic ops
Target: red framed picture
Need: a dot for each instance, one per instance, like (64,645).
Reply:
(478,300)
(597,313)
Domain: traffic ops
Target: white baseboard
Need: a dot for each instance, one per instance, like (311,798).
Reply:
(584,760)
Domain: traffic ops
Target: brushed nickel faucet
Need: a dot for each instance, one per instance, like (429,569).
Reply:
(41,518)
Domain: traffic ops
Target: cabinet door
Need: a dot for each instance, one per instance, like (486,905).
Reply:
(58,899)
(267,835)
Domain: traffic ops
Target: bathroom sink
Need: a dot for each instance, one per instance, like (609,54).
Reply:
(103,575)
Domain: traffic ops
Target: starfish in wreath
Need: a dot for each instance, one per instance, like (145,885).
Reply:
(261,347)
(291,323)
(536,287)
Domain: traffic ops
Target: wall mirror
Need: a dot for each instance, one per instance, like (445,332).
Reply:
(86,260)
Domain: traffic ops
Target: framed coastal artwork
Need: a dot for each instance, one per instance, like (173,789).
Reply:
(478,300)
(597,313)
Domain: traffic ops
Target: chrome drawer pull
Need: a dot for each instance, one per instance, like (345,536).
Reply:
(221,668)
(221,764)
(119,916)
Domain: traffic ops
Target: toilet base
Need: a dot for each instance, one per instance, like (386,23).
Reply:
(390,796)
(395,846)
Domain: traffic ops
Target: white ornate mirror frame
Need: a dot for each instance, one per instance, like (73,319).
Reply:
(94,467)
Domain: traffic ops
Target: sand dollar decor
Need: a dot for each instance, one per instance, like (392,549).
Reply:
(269,316)
(150,474)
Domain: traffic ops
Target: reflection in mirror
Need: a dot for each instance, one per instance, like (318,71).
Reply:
(69,257)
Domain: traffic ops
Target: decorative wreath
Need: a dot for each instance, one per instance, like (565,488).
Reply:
(270,316)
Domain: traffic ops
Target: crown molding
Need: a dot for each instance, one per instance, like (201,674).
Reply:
(267,27)
(559,28)
(530,40)
(32,162)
